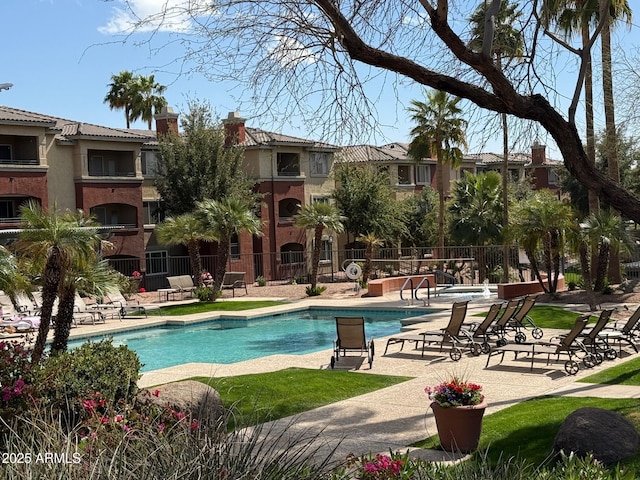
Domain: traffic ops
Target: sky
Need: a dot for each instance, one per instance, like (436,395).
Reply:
(60,55)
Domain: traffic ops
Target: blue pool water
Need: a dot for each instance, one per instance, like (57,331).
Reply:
(233,340)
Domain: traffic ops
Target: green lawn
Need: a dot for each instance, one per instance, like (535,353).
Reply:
(551,317)
(261,397)
(219,306)
(627,373)
(527,430)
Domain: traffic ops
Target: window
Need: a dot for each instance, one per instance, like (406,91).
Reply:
(148,163)
(99,166)
(319,162)
(320,199)
(423,175)
(101,214)
(151,213)
(326,251)
(7,209)
(288,164)
(553,177)
(156,262)
(287,208)
(404,177)
(234,247)
(5,152)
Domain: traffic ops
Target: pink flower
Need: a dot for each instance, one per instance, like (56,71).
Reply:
(119,418)
(156,393)
(194,425)
(136,274)
(142,290)
(104,420)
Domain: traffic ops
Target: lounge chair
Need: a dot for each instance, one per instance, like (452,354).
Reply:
(181,284)
(19,327)
(24,304)
(595,342)
(450,334)
(234,280)
(521,321)
(627,332)
(351,337)
(83,313)
(564,344)
(115,297)
(501,328)
(480,333)
(7,308)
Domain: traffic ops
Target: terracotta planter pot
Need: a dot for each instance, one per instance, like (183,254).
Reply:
(459,428)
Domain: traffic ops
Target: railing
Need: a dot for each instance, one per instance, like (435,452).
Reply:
(15,161)
(428,282)
(462,266)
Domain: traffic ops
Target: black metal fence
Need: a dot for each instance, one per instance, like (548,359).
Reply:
(467,265)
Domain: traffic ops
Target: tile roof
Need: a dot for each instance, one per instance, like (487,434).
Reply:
(256,137)
(393,152)
(69,129)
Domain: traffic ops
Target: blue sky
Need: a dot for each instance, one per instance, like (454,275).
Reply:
(60,55)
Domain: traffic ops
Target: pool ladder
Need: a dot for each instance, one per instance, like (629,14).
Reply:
(414,291)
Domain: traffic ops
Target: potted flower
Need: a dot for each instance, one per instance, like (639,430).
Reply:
(458,407)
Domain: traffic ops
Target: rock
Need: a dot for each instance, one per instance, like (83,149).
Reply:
(195,399)
(606,435)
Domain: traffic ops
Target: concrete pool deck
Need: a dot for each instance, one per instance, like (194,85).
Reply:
(394,417)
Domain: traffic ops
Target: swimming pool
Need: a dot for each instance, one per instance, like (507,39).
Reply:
(230,340)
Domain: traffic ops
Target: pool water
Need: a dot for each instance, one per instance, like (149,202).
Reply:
(233,340)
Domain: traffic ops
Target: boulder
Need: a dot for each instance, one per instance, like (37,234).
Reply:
(195,399)
(606,435)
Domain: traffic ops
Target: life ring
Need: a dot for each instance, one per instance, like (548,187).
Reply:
(353,271)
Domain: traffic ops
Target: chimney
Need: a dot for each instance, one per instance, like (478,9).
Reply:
(234,130)
(538,155)
(166,121)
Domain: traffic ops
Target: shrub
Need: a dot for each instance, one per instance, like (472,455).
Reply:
(203,293)
(69,378)
(17,384)
(315,291)
(261,281)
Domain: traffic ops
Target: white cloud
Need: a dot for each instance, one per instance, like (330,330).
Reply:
(288,51)
(154,15)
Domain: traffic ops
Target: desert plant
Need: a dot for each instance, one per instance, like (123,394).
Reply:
(315,291)
(203,293)
(261,281)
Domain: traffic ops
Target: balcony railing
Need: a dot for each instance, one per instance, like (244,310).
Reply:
(15,161)
(94,173)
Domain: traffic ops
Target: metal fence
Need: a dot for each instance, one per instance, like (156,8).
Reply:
(467,265)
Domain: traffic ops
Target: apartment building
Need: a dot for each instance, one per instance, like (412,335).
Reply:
(71,165)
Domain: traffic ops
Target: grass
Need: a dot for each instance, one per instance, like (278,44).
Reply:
(262,397)
(627,373)
(204,307)
(551,317)
(527,430)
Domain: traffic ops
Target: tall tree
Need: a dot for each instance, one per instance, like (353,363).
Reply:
(364,196)
(507,42)
(197,165)
(55,241)
(476,214)
(438,123)
(223,219)
(187,229)
(122,92)
(147,99)
(318,217)
(370,243)
(616,9)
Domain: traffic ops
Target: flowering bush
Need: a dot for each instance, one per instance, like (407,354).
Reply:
(455,392)
(381,467)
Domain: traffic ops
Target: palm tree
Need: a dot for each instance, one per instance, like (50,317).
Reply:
(607,232)
(318,216)
(225,218)
(371,241)
(122,91)
(187,229)
(507,42)
(92,276)
(476,214)
(54,241)
(539,224)
(147,99)
(11,278)
(440,128)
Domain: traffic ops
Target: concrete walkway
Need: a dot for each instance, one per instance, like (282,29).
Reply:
(394,417)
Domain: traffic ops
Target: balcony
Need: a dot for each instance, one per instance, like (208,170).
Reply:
(115,214)
(102,163)
(18,150)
